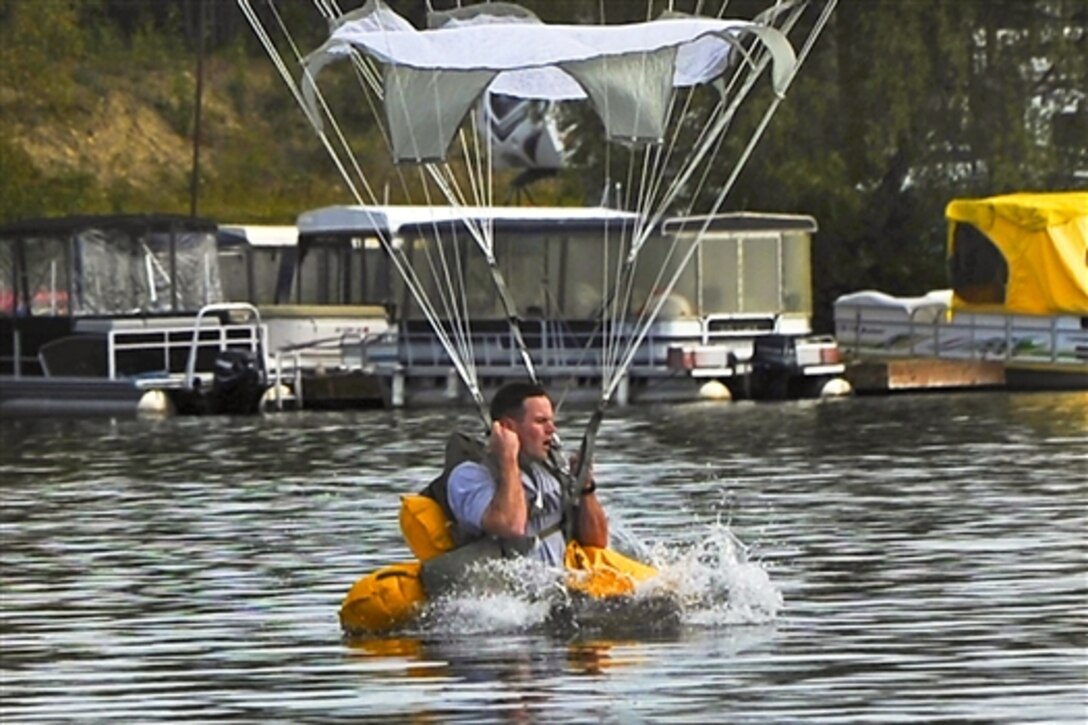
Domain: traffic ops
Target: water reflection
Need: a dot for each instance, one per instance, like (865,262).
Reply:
(525,677)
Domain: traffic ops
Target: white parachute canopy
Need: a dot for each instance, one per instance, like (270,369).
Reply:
(522,133)
(433,77)
(500,67)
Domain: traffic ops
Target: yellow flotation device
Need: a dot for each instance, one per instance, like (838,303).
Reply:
(425,526)
(384,599)
(391,596)
(603,573)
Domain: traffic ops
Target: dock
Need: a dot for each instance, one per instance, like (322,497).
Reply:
(901,374)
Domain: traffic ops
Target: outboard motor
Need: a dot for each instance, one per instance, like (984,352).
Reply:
(238,382)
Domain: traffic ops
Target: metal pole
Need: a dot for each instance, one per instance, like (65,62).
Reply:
(194,182)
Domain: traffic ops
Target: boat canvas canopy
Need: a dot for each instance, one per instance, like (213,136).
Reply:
(1021,253)
(395,220)
(108,265)
(258,235)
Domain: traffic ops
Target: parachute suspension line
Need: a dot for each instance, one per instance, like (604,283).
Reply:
(483,153)
(787,26)
(277,61)
(661,299)
(474,160)
(415,286)
(452,295)
(447,182)
(445,285)
(485,240)
(635,199)
(707,140)
(704,141)
(797,9)
(677,182)
(609,331)
(662,156)
(574,483)
(367,68)
(367,74)
(369,78)
(649,176)
(508,304)
(407,273)
(452,347)
(316,122)
(626,266)
(456,341)
(713,138)
(727,187)
(609,326)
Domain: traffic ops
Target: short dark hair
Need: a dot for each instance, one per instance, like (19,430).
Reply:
(509,400)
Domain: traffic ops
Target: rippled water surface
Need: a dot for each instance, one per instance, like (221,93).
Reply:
(909,559)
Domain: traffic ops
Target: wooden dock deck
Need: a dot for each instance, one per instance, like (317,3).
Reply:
(889,375)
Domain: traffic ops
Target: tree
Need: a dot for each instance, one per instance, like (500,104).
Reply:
(906,105)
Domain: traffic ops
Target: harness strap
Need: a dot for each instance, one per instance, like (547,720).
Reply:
(545,533)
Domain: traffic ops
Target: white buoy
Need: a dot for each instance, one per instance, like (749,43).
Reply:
(155,402)
(715,390)
(836,388)
(276,394)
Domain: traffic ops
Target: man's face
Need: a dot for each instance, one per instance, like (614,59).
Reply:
(536,427)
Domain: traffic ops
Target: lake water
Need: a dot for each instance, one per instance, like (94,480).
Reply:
(905,559)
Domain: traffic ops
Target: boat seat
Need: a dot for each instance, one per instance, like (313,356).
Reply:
(74,356)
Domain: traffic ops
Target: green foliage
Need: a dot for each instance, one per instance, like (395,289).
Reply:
(26,192)
(40,44)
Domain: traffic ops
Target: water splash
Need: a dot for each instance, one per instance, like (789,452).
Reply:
(708,583)
(715,582)
(509,595)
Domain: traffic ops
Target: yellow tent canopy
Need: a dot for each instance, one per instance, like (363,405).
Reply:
(1020,253)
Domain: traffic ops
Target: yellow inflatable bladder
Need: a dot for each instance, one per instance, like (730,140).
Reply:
(603,573)
(391,596)
(424,526)
(384,599)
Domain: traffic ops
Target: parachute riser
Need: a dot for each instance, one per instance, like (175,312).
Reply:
(574,480)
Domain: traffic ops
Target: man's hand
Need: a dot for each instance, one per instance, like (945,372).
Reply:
(504,445)
(591,485)
(506,515)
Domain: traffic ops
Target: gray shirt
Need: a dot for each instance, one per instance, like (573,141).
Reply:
(471,488)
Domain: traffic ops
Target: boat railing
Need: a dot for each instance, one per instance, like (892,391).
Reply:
(349,350)
(171,343)
(928,330)
(560,346)
(247,335)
